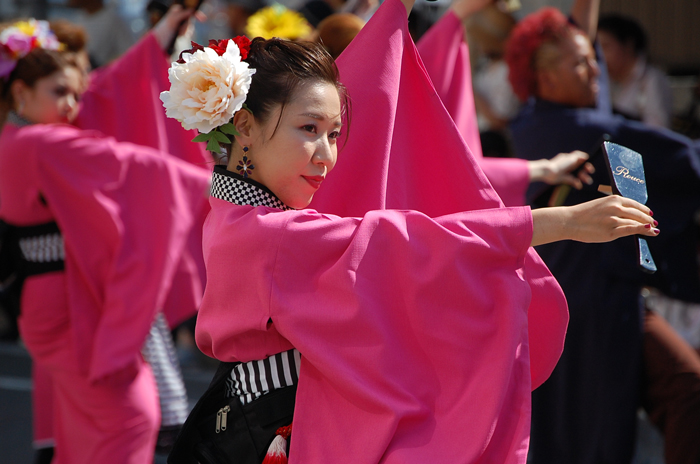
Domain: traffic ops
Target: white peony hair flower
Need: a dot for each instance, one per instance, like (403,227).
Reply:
(207,86)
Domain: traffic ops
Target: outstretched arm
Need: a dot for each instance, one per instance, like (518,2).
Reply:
(585,15)
(596,221)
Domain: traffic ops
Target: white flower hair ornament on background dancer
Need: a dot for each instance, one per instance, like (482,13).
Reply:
(208,85)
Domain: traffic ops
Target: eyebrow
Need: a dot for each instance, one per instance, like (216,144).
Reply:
(320,118)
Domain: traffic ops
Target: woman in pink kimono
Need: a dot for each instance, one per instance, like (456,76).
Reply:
(406,306)
(99,228)
(124,104)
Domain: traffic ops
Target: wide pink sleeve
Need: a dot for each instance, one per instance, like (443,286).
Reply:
(260,244)
(125,213)
(123,102)
(509,176)
(408,154)
(445,55)
(402,321)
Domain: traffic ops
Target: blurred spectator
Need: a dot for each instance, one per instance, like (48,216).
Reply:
(586,412)
(362,8)
(156,9)
(495,101)
(108,34)
(337,31)
(639,91)
(316,11)
(238,12)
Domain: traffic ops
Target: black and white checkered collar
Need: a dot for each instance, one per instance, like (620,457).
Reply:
(17,120)
(231,187)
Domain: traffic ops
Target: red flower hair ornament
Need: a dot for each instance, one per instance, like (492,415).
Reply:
(219,46)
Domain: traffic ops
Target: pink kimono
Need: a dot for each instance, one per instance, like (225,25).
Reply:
(124,103)
(446,58)
(125,213)
(422,315)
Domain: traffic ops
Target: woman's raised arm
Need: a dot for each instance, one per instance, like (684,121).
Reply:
(409,5)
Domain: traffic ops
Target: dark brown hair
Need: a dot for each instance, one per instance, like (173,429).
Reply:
(72,36)
(336,32)
(281,67)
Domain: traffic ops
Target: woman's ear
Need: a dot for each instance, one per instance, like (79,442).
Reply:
(246,126)
(19,91)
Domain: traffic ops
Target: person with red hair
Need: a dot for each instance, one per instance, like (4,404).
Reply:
(587,411)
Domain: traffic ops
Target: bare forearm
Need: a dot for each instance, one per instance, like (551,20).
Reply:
(549,225)
(585,14)
(596,221)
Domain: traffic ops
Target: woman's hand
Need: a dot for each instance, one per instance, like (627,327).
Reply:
(596,221)
(173,24)
(558,170)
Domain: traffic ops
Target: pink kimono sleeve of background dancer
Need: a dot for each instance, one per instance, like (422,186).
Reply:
(123,102)
(446,58)
(125,214)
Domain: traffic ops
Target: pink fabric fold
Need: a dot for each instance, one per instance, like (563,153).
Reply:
(413,330)
(116,205)
(445,55)
(123,101)
(408,155)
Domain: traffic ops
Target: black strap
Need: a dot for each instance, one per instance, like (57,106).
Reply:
(16,261)
(14,268)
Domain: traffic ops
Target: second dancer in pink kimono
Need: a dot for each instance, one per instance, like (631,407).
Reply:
(100,227)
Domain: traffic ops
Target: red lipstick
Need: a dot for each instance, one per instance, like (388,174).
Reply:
(314,181)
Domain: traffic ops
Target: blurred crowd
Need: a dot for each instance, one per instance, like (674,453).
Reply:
(634,342)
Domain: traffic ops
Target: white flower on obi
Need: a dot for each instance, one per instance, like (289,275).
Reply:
(207,89)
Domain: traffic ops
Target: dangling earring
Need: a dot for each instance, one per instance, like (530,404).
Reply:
(20,108)
(245,166)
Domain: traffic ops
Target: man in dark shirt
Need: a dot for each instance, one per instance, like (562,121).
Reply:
(586,411)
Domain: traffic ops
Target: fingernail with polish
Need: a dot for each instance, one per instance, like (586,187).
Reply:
(651,213)
(647,226)
(656,223)
(656,231)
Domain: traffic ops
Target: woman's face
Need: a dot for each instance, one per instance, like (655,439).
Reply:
(294,160)
(52,99)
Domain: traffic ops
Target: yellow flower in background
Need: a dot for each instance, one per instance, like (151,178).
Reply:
(277,21)
(26,27)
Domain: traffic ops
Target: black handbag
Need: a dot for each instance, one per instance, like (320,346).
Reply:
(221,430)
